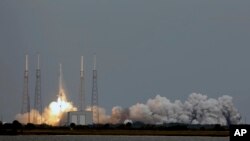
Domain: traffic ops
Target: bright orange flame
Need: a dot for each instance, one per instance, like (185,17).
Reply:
(53,114)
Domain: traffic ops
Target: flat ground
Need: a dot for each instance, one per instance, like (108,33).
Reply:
(123,132)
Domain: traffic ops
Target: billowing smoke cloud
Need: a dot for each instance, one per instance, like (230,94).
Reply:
(197,109)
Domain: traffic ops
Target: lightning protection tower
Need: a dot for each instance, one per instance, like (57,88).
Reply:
(82,88)
(26,99)
(38,99)
(94,98)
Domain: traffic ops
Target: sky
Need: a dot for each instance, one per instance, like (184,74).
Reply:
(143,47)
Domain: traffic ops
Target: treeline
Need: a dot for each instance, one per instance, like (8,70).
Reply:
(17,128)
(142,126)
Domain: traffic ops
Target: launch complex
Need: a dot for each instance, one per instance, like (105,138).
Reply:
(60,112)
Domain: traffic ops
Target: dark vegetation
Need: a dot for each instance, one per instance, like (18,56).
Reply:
(136,128)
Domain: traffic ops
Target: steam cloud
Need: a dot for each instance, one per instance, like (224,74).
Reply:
(197,109)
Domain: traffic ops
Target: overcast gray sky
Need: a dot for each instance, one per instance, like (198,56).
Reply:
(143,48)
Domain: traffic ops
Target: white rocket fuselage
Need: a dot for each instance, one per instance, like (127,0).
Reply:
(60,79)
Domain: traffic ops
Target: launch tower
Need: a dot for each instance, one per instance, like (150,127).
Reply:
(94,98)
(38,98)
(82,88)
(26,99)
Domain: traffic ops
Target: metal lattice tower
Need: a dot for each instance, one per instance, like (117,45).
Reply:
(38,98)
(26,99)
(82,88)
(94,98)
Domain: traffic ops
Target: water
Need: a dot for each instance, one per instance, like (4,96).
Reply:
(108,138)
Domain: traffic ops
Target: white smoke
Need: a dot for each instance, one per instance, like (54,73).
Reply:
(197,109)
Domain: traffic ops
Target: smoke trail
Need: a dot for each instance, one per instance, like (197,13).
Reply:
(197,109)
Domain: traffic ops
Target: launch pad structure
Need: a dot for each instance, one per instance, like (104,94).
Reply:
(25,108)
(94,96)
(83,117)
(79,117)
(38,98)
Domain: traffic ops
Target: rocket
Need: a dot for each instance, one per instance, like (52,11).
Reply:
(60,77)
(60,82)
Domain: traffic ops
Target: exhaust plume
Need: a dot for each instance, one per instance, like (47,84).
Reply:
(54,113)
(197,109)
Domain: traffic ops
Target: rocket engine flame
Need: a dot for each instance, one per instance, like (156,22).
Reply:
(52,114)
(55,112)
